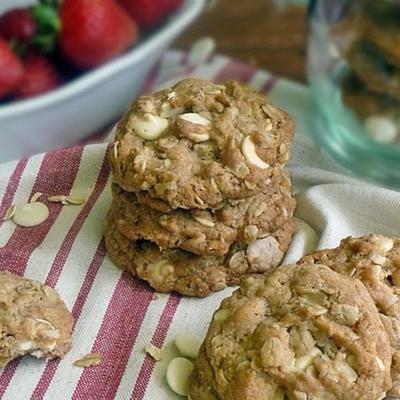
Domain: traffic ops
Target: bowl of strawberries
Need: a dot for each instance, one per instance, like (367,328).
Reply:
(69,67)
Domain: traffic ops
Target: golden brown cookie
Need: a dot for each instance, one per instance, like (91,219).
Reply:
(306,332)
(206,232)
(168,270)
(374,260)
(33,320)
(197,144)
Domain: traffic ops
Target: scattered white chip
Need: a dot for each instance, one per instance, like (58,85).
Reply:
(188,345)
(201,50)
(76,201)
(381,129)
(10,212)
(155,352)
(30,214)
(58,199)
(178,372)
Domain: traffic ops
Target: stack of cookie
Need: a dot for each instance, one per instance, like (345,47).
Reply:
(373,86)
(201,197)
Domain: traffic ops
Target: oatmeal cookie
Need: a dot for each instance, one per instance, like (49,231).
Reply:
(198,144)
(366,103)
(373,70)
(301,332)
(206,232)
(374,260)
(33,320)
(168,270)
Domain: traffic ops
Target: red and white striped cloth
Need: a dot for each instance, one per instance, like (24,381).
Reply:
(115,314)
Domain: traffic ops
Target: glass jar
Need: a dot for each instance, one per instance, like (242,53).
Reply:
(353,69)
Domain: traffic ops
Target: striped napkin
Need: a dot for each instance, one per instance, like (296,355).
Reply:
(117,315)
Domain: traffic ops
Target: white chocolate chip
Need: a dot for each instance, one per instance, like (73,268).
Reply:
(201,50)
(10,212)
(89,360)
(188,345)
(37,353)
(155,352)
(196,119)
(159,270)
(168,112)
(35,197)
(30,214)
(150,126)
(381,129)
(221,315)
(249,151)
(178,372)
(383,244)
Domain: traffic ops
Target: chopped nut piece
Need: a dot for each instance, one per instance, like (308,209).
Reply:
(89,360)
(196,119)
(58,199)
(202,219)
(35,197)
(75,200)
(10,212)
(249,151)
(115,149)
(153,351)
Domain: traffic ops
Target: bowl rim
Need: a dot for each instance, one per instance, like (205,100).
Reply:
(178,21)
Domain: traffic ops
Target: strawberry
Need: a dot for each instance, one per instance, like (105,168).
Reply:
(149,13)
(40,76)
(170,5)
(11,70)
(18,24)
(94,31)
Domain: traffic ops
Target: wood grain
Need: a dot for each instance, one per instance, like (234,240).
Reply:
(257,32)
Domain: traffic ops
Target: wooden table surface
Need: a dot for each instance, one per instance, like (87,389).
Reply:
(257,32)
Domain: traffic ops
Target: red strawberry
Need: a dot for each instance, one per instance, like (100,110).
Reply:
(11,70)
(40,77)
(149,13)
(18,24)
(170,5)
(94,31)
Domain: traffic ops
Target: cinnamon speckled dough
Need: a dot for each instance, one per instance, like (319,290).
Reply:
(33,320)
(375,260)
(206,232)
(168,270)
(194,156)
(303,331)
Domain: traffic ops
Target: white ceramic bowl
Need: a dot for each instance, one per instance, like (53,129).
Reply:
(67,115)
